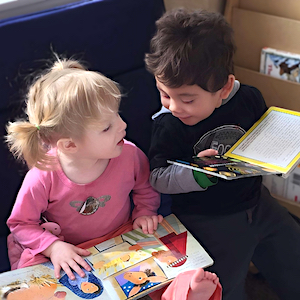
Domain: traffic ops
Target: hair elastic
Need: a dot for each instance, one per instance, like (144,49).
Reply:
(37,126)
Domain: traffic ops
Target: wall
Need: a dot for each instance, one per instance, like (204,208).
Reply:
(21,7)
(29,6)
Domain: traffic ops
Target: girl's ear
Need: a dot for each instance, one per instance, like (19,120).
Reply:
(227,88)
(67,145)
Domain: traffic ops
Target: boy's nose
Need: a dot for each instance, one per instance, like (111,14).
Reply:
(173,106)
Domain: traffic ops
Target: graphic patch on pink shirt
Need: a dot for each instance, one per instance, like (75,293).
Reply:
(90,205)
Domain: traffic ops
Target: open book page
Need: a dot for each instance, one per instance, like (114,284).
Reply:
(128,266)
(223,167)
(272,142)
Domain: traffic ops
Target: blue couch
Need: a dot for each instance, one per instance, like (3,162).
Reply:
(112,36)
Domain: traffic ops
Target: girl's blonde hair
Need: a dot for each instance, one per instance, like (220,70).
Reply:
(60,103)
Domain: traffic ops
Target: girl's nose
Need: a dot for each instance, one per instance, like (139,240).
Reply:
(123,125)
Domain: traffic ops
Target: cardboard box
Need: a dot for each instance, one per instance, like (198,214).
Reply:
(254,31)
(282,8)
(274,24)
(277,92)
(292,191)
(288,188)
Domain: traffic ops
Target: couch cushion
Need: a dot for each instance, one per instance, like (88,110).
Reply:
(139,102)
(112,36)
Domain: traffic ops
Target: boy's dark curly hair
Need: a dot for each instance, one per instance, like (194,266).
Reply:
(192,47)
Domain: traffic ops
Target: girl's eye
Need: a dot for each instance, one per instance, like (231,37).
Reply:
(188,102)
(106,129)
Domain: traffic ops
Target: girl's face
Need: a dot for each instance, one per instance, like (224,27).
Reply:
(104,140)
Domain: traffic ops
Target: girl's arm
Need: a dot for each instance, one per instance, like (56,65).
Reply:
(25,219)
(24,223)
(146,200)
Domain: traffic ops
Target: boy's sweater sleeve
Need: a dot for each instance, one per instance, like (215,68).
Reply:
(146,200)
(24,221)
(174,180)
(171,179)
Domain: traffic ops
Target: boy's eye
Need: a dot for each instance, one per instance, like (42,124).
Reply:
(188,102)
(164,95)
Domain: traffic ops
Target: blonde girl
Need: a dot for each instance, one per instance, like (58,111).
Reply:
(82,170)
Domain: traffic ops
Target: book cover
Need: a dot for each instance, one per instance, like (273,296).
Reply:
(128,266)
(222,166)
(280,64)
(270,146)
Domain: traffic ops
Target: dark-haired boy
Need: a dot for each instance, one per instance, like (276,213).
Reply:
(205,110)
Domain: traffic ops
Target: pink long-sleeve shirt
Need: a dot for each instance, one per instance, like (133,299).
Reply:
(83,211)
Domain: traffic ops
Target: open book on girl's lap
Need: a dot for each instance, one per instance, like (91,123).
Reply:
(270,146)
(118,265)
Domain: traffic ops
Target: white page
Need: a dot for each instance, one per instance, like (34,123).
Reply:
(275,141)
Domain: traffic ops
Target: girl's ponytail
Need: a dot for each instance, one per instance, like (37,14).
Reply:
(23,139)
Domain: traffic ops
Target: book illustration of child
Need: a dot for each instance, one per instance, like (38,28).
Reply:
(37,288)
(87,287)
(107,265)
(139,281)
(73,143)
(205,110)
(113,263)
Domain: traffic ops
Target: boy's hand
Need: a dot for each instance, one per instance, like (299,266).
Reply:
(147,223)
(207,152)
(199,176)
(66,256)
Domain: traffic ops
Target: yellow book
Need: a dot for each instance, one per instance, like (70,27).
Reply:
(273,142)
(270,146)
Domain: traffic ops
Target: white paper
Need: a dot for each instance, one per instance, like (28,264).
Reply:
(275,141)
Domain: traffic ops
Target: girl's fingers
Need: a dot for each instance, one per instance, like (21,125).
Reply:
(68,271)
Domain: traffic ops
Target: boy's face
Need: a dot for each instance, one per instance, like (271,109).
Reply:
(189,103)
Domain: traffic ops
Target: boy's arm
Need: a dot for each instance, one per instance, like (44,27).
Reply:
(176,179)
(166,144)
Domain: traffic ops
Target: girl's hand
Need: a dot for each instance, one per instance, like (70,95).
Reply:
(66,256)
(147,223)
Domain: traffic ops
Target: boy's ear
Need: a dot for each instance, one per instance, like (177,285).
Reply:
(67,145)
(227,88)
